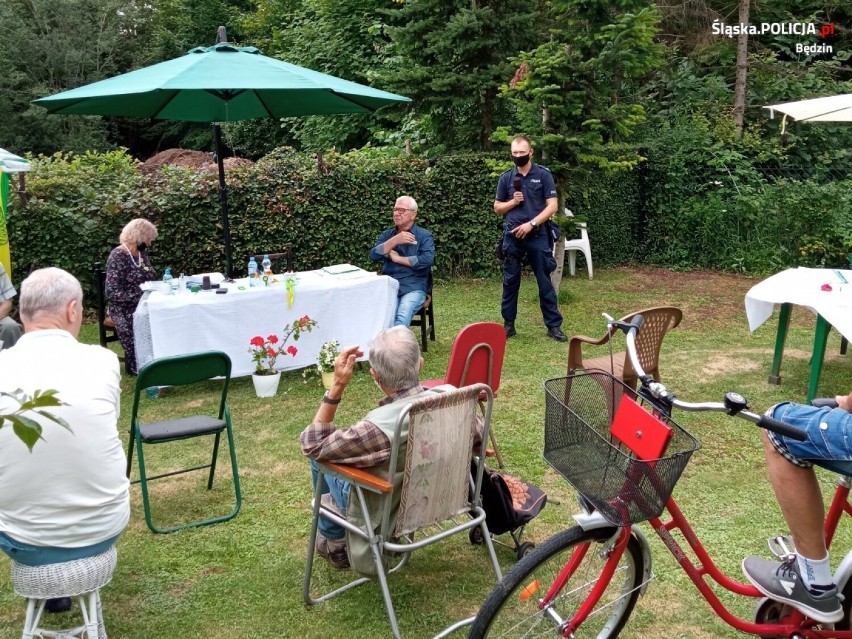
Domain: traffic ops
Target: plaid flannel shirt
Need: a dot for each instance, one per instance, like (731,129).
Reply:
(363,445)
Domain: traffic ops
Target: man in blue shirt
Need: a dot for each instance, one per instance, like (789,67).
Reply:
(407,252)
(526,196)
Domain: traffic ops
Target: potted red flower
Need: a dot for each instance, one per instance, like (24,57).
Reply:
(265,351)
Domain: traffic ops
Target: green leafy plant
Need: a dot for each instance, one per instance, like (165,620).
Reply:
(27,429)
(327,356)
(265,352)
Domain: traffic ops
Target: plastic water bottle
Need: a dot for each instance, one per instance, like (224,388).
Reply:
(252,272)
(168,282)
(181,289)
(267,266)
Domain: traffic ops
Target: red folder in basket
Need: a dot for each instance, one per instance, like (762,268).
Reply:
(640,431)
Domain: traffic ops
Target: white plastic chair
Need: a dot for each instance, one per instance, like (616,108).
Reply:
(81,578)
(572,246)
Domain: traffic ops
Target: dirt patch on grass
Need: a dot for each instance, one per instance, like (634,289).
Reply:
(710,298)
(721,364)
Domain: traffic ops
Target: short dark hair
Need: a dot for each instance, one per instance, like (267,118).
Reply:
(522,138)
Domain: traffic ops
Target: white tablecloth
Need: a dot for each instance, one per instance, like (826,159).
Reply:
(802,286)
(350,308)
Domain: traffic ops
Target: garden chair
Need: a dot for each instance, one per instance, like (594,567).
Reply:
(282,261)
(425,317)
(476,358)
(658,322)
(182,370)
(81,578)
(582,245)
(435,495)
(106,327)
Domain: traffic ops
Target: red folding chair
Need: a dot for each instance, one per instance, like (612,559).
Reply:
(476,358)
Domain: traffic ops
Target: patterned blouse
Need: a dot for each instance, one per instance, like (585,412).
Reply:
(124,274)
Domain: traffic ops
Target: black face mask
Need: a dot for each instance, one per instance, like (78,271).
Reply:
(521,160)
(141,246)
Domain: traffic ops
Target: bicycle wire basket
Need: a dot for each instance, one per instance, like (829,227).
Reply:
(578,445)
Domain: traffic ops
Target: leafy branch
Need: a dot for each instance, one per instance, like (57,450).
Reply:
(27,429)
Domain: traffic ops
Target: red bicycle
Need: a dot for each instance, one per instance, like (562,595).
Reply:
(623,453)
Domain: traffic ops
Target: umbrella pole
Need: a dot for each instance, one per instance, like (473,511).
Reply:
(223,200)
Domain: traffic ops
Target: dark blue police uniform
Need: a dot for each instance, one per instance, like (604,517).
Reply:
(537,186)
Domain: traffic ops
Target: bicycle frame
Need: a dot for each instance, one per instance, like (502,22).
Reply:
(792,623)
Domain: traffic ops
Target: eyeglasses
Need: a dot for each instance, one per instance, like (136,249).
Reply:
(400,209)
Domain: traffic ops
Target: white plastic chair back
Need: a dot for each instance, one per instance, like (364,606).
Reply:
(582,245)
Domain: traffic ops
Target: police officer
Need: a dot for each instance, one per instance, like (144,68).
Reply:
(526,195)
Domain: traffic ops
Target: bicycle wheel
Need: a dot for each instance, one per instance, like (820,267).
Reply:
(512,608)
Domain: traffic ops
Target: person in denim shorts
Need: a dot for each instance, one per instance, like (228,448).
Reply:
(804,580)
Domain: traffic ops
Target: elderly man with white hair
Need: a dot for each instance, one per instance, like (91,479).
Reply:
(395,365)
(68,498)
(407,252)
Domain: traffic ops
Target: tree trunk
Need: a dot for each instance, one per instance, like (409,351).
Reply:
(742,70)
(487,121)
(559,254)
(559,247)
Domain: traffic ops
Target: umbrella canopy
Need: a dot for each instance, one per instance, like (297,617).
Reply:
(222,83)
(835,108)
(9,163)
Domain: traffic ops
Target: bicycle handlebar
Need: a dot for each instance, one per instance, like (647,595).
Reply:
(734,404)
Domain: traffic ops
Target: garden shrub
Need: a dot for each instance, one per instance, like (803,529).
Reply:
(610,203)
(684,207)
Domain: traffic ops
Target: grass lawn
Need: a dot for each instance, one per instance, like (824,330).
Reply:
(243,578)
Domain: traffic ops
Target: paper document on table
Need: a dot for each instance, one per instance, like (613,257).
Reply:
(337,269)
(353,275)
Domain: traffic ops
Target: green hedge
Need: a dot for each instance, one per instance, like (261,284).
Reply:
(696,216)
(328,213)
(611,204)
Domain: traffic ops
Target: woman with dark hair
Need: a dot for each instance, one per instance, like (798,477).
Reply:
(127,267)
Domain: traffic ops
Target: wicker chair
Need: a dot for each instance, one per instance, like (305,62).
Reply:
(658,322)
(81,578)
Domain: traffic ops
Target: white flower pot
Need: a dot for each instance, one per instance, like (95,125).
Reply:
(266,385)
(327,380)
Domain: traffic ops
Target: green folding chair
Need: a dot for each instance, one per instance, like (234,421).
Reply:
(181,371)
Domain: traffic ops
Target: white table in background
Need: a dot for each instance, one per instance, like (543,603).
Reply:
(803,287)
(349,307)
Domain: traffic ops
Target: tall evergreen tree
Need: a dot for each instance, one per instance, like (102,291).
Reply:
(577,94)
(47,47)
(450,57)
(343,39)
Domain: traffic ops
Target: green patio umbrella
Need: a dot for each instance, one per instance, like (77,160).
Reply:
(222,83)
